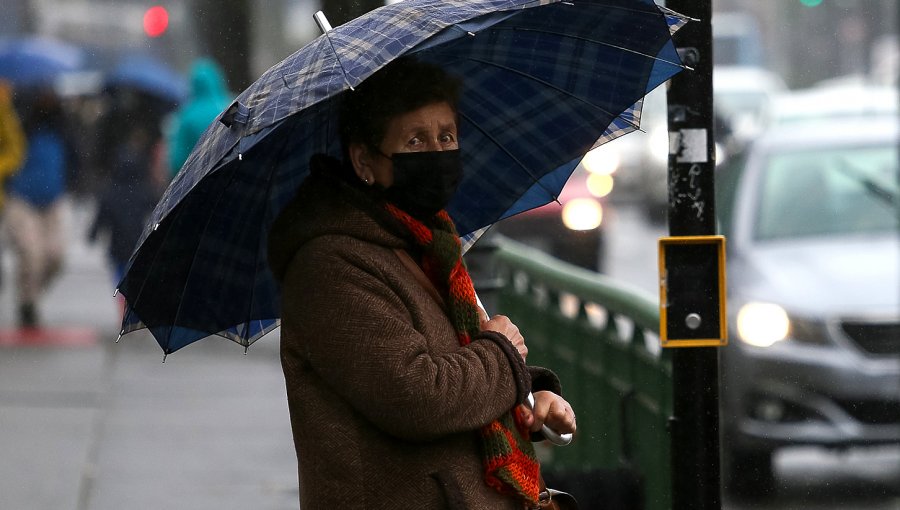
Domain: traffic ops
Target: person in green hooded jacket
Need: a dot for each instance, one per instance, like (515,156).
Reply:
(209,97)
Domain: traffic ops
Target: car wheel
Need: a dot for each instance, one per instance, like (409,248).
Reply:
(749,474)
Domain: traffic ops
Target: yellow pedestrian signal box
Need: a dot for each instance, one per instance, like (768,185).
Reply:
(692,311)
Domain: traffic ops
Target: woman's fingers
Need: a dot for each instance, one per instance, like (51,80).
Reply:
(527,415)
(552,410)
(501,324)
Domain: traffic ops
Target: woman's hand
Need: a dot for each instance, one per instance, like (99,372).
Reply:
(501,324)
(552,410)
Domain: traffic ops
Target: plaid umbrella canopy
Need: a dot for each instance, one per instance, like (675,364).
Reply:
(543,82)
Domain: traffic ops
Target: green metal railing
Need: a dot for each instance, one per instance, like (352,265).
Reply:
(601,338)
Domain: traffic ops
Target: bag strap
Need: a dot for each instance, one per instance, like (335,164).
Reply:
(554,499)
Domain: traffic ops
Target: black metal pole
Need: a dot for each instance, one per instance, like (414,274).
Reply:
(695,420)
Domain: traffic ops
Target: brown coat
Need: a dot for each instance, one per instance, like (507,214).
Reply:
(385,405)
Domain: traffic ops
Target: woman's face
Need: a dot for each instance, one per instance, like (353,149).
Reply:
(430,128)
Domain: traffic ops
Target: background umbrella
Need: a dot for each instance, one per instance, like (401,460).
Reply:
(149,75)
(543,82)
(38,61)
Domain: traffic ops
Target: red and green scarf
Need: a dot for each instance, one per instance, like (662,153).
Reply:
(510,464)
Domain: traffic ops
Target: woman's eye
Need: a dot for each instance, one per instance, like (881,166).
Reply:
(414,141)
(448,137)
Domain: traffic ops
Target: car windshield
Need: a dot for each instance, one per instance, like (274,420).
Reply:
(829,192)
(738,102)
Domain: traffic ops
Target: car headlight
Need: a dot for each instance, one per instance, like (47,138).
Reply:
(582,214)
(603,160)
(600,185)
(762,324)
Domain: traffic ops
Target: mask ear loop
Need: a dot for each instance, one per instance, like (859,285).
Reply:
(383,155)
(378,152)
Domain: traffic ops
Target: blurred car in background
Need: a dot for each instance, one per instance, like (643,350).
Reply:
(811,219)
(737,39)
(571,229)
(644,154)
(835,99)
(744,96)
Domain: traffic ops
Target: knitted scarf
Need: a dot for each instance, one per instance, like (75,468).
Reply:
(510,464)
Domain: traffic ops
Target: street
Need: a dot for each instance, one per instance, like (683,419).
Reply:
(95,425)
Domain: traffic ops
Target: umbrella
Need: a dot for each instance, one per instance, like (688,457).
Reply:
(36,61)
(149,75)
(543,83)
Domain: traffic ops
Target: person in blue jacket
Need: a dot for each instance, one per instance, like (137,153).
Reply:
(35,205)
(209,97)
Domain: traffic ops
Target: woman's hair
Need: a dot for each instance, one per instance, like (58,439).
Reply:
(403,86)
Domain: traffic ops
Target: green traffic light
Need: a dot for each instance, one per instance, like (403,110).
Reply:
(811,3)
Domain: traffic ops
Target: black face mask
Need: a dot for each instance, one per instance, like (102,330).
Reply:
(424,182)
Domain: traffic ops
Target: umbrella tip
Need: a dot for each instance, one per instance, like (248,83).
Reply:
(322,21)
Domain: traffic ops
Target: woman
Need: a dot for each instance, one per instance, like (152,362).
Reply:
(401,395)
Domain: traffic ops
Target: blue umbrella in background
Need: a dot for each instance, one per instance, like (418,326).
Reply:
(149,75)
(543,82)
(38,61)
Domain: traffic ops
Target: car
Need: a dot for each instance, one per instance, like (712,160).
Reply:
(571,228)
(744,96)
(737,39)
(840,100)
(813,250)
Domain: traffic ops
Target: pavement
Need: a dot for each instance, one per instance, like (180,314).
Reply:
(90,424)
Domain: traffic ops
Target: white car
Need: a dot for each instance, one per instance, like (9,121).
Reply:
(841,100)
(813,226)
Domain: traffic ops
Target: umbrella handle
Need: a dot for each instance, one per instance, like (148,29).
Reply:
(551,435)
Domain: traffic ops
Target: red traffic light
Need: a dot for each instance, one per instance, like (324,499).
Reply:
(156,21)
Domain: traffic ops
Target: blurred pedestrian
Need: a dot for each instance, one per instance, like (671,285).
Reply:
(12,138)
(35,206)
(12,141)
(209,97)
(122,108)
(127,200)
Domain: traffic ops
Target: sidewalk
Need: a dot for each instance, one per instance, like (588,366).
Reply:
(95,425)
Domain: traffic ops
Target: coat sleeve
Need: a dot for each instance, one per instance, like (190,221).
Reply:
(358,336)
